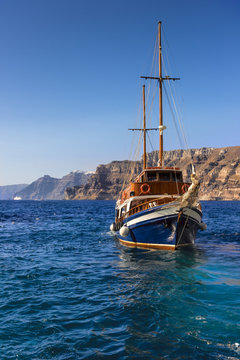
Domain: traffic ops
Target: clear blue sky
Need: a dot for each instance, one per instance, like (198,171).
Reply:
(69,78)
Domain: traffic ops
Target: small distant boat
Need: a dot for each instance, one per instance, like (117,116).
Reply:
(158,210)
(17,198)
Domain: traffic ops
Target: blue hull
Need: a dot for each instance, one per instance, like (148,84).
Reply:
(158,230)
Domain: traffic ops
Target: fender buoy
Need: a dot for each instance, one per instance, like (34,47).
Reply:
(124,231)
(113,227)
(185,188)
(145,189)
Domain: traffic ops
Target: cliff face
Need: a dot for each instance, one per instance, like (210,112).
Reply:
(49,188)
(7,192)
(105,183)
(40,189)
(69,180)
(217,169)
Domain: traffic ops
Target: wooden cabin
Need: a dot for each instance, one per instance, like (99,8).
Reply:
(156,181)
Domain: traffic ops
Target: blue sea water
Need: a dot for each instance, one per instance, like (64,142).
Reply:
(69,290)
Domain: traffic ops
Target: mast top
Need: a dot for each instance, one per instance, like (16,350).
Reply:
(160,80)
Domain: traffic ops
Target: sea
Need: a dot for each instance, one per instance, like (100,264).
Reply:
(69,290)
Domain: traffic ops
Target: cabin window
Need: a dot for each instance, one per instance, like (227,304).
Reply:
(177,177)
(132,193)
(152,176)
(164,176)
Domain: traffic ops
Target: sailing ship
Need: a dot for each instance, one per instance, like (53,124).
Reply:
(158,210)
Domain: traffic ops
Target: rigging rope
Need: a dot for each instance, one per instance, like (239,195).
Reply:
(135,156)
(150,142)
(179,120)
(172,90)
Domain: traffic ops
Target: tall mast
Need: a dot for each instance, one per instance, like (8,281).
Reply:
(160,80)
(144,131)
(160,96)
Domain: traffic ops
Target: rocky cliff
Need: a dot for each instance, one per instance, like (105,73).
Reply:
(49,188)
(217,169)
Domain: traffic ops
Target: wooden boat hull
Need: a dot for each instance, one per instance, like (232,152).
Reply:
(167,247)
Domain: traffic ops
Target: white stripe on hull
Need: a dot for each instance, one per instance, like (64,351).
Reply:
(192,214)
(158,214)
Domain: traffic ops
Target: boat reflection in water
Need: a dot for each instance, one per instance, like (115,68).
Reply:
(159,292)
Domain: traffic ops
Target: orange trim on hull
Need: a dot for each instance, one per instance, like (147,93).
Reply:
(148,246)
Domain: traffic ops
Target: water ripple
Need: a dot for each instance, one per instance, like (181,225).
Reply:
(69,290)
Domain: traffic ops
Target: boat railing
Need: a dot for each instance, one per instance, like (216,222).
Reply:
(146,205)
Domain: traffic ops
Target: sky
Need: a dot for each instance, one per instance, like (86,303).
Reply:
(70,86)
